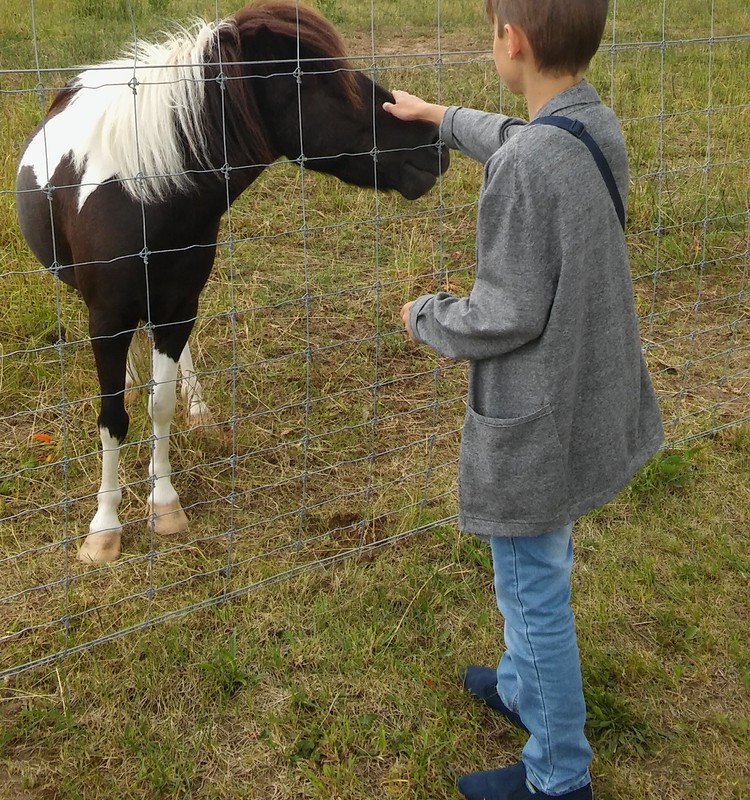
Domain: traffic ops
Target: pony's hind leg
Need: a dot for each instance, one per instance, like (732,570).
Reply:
(164,503)
(136,378)
(196,410)
(137,370)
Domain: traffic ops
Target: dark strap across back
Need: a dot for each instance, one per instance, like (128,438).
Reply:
(577,129)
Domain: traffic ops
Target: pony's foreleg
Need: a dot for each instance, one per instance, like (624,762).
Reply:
(105,530)
(164,503)
(196,410)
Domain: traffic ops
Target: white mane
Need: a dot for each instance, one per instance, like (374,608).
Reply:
(130,116)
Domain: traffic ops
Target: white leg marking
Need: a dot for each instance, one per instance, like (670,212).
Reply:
(164,502)
(103,541)
(192,392)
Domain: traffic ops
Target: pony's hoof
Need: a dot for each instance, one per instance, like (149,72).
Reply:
(99,548)
(169,518)
(199,416)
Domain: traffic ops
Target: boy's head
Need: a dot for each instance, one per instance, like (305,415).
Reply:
(563,34)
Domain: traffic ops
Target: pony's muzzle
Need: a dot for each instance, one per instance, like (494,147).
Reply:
(422,168)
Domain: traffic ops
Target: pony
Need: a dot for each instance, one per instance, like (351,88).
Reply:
(122,187)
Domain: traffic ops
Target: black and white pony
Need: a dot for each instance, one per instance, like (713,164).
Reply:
(121,190)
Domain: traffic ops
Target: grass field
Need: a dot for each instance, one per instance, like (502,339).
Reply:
(341,682)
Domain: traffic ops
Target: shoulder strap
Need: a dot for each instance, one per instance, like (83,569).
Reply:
(577,129)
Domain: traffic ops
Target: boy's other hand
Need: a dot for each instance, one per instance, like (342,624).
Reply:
(409,107)
(405,319)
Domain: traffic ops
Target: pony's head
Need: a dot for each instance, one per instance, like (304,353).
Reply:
(320,111)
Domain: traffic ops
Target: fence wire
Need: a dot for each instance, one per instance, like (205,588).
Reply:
(329,436)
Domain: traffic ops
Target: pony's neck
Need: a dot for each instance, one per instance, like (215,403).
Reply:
(235,125)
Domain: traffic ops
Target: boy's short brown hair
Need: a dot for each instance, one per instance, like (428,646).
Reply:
(564,34)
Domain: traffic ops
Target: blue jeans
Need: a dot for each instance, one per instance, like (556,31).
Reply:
(539,675)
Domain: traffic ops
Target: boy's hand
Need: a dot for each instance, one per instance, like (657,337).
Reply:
(405,319)
(409,107)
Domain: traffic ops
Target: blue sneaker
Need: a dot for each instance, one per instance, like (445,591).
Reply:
(482,684)
(509,783)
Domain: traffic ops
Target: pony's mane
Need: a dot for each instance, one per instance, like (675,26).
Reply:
(140,113)
(121,105)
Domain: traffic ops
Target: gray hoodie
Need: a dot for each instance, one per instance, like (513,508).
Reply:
(561,411)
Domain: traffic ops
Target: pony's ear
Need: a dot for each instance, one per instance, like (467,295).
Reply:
(284,31)
(255,48)
(261,44)
(263,36)
(274,35)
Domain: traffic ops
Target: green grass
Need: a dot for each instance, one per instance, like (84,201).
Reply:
(342,682)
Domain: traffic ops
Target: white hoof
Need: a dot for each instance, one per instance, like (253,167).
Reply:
(99,548)
(169,518)
(199,416)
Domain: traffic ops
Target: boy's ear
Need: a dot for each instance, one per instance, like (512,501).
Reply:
(515,39)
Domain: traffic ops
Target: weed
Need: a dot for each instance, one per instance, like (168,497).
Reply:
(226,672)
(613,725)
(668,470)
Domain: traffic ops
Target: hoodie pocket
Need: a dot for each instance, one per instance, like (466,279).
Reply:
(511,470)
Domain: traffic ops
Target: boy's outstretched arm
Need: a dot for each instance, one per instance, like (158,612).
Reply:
(410,107)
(478,134)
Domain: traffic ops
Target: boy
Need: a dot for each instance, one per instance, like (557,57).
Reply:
(561,411)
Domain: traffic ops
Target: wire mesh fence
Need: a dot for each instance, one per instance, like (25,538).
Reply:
(326,434)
